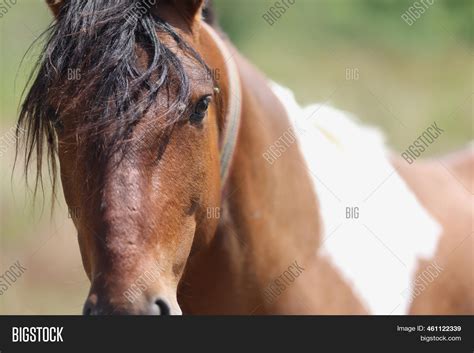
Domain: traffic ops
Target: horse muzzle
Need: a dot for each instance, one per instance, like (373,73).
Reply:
(158,305)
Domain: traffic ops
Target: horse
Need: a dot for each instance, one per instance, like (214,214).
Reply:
(162,130)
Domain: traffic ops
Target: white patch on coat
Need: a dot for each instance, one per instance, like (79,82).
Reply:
(378,252)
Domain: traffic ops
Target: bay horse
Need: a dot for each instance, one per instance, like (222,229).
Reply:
(161,128)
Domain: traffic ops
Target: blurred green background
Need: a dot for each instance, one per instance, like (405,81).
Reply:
(408,77)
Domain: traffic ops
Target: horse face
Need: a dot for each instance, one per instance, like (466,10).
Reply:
(139,213)
(141,208)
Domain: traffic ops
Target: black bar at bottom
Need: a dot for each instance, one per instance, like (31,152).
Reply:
(168,334)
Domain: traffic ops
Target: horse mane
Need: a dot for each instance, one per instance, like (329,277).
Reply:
(209,14)
(95,41)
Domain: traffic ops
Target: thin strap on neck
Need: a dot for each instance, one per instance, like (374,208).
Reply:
(234,106)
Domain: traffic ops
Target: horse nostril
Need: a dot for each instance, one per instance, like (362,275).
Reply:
(164,308)
(87,310)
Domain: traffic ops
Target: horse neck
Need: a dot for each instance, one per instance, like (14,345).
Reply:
(264,200)
(267,222)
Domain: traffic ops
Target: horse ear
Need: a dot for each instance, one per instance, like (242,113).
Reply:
(189,10)
(55,6)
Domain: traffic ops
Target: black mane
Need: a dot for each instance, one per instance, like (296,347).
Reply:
(93,39)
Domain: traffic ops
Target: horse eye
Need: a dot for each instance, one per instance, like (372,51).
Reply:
(201,109)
